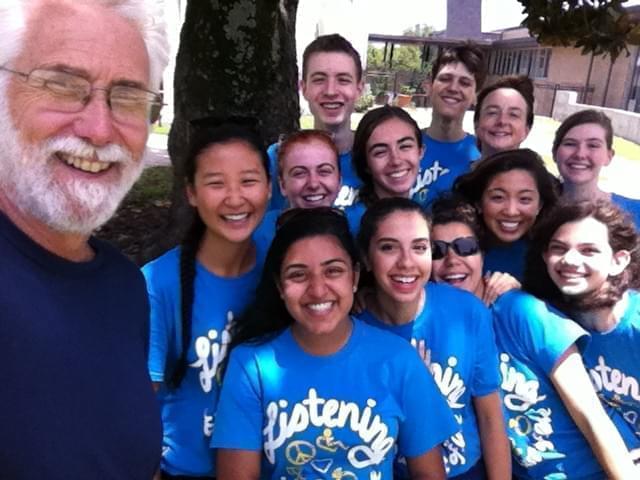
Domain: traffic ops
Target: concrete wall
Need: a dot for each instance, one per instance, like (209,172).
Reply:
(625,124)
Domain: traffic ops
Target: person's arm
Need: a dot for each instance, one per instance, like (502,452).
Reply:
(237,464)
(576,391)
(428,466)
(497,283)
(493,436)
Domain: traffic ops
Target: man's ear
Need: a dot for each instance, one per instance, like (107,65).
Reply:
(619,262)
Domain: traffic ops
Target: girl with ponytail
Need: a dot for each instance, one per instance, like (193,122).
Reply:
(197,289)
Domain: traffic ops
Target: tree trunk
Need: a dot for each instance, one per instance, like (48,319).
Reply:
(236,57)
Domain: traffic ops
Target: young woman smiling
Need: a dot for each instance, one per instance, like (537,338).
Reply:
(310,392)
(587,263)
(395,243)
(555,422)
(387,149)
(308,176)
(510,189)
(197,289)
(582,146)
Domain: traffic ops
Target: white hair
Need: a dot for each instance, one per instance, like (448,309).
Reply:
(147,16)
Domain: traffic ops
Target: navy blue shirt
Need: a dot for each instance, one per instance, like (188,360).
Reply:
(76,402)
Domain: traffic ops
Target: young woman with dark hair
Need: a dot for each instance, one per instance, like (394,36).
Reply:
(510,189)
(395,245)
(458,244)
(387,149)
(197,289)
(586,262)
(582,146)
(310,392)
(555,423)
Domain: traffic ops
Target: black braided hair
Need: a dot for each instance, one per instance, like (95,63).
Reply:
(207,132)
(188,251)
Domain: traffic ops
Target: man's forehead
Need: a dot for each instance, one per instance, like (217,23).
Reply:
(331,62)
(86,36)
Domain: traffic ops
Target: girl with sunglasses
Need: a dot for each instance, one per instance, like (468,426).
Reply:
(308,176)
(555,422)
(457,254)
(450,329)
(310,392)
(510,189)
(198,289)
(387,149)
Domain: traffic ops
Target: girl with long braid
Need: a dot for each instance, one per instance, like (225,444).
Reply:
(197,289)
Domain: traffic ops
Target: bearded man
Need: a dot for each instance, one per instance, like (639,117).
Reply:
(78,79)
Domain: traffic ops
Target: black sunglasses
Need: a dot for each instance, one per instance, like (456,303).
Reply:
(462,246)
(293,213)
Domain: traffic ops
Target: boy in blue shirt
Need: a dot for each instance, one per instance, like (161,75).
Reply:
(449,151)
(331,83)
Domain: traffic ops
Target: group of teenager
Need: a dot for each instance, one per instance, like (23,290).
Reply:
(397,303)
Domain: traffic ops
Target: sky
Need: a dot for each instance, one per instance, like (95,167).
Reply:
(392,17)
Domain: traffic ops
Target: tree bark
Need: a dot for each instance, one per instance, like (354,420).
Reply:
(236,57)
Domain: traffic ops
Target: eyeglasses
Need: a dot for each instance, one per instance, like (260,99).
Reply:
(297,213)
(462,246)
(70,93)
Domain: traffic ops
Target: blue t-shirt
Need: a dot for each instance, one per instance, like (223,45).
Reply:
(510,258)
(350,182)
(630,205)
(76,398)
(454,336)
(188,412)
(333,416)
(265,232)
(441,164)
(613,361)
(546,443)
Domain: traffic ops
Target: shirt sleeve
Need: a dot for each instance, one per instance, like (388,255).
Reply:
(428,420)
(486,373)
(542,334)
(239,418)
(161,324)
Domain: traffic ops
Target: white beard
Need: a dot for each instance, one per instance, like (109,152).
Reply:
(75,205)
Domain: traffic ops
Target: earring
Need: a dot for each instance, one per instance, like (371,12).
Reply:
(355,289)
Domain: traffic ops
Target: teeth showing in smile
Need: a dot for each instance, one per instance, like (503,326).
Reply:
(571,275)
(81,163)
(236,217)
(320,307)
(403,279)
(313,198)
(332,106)
(454,277)
(509,225)
(578,166)
(399,174)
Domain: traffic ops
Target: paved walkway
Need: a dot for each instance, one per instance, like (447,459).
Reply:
(621,176)
(156,154)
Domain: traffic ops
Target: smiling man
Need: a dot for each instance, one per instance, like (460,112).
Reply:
(331,83)
(77,82)
(449,151)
